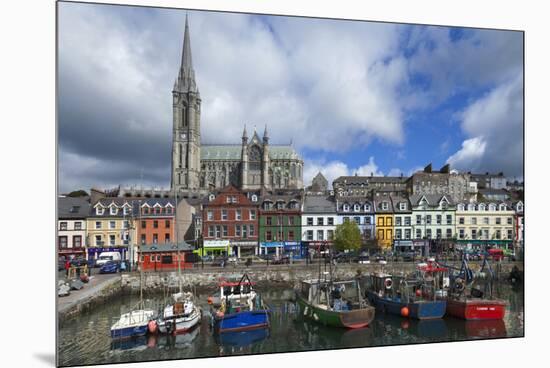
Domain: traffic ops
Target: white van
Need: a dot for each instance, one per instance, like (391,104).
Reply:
(106,257)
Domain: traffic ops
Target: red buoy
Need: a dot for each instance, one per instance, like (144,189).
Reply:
(405,312)
(418,292)
(152,327)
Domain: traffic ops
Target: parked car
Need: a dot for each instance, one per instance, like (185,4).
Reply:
(105,257)
(219,262)
(79,262)
(281,260)
(379,257)
(363,259)
(110,267)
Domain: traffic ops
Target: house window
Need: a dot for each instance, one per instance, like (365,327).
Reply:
(320,234)
(218,231)
(244,232)
(407,220)
(385,206)
(112,224)
(98,241)
(474,220)
(368,233)
(497,234)
(112,240)
(291,235)
(268,235)
(126,210)
(509,221)
(209,215)
(98,224)
(428,219)
(356,208)
(461,220)
(113,210)
(167,238)
(449,233)
(357,220)
(167,224)
(389,234)
(237,214)
(280,235)
(380,221)
(486,220)
(449,219)
(155,224)
(509,234)
(398,221)
(238,230)
(279,220)
(252,214)
(474,234)
(126,224)
(211,231)
(310,221)
(142,239)
(461,233)
(63,225)
(418,233)
(224,214)
(320,221)
(429,233)
(251,230)
(77,241)
(367,208)
(280,205)
(367,220)
(99,210)
(398,234)
(143,224)
(438,219)
(407,233)
(345,207)
(418,219)
(291,220)
(438,233)
(225,230)
(310,235)
(381,234)
(63,242)
(330,221)
(485,233)
(389,221)
(402,206)
(269,221)
(497,220)
(78,225)
(155,238)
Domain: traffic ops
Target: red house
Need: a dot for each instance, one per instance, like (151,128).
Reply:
(230,223)
(164,257)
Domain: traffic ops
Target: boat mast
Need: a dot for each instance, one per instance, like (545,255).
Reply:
(176,230)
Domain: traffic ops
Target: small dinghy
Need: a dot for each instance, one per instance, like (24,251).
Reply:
(132,324)
(180,316)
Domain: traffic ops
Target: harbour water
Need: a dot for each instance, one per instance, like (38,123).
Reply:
(86,339)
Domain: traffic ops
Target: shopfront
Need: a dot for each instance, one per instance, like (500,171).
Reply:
(94,252)
(481,244)
(272,248)
(294,249)
(244,249)
(216,248)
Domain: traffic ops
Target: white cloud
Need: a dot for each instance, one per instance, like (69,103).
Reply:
(494,125)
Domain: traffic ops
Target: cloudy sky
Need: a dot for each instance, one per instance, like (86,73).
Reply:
(354,97)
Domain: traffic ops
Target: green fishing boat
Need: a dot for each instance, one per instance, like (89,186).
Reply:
(334,303)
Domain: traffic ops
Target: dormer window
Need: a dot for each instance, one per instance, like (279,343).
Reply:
(367,208)
(460,207)
(492,207)
(254,198)
(385,206)
(356,207)
(280,205)
(113,210)
(99,210)
(502,207)
(345,207)
(402,206)
(211,197)
(520,208)
(126,210)
(471,207)
(481,207)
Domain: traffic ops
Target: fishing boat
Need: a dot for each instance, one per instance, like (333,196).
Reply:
(238,307)
(180,316)
(419,296)
(132,324)
(334,303)
(466,298)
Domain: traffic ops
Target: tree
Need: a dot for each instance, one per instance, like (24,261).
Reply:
(78,193)
(347,236)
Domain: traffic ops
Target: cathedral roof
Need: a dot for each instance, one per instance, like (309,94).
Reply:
(233,152)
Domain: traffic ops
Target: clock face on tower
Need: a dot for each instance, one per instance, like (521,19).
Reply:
(183,135)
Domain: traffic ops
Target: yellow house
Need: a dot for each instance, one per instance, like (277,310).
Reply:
(109,227)
(384,228)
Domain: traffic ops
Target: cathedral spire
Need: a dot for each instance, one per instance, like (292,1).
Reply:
(245,135)
(186,77)
(266,136)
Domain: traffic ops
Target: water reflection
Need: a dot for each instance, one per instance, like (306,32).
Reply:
(86,340)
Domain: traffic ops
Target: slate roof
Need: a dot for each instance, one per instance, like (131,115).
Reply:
(433,199)
(69,207)
(165,247)
(319,204)
(233,152)
(358,180)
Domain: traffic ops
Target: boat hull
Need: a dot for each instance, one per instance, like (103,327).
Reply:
(241,321)
(128,332)
(476,309)
(347,319)
(418,310)
(183,324)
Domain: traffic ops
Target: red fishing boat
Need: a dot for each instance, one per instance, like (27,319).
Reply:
(467,301)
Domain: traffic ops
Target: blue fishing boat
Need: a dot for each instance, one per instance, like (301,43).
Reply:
(420,296)
(238,307)
(132,324)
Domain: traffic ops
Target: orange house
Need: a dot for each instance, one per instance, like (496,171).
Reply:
(155,223)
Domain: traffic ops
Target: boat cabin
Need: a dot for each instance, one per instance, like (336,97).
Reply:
(336,295)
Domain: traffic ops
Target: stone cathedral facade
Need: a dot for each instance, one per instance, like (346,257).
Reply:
(198,168)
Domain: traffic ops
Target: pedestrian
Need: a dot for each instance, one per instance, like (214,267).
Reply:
(67,266)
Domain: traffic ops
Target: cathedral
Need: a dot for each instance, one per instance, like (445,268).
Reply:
(199,168)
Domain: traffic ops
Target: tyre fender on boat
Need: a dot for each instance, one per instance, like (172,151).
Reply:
(388,283)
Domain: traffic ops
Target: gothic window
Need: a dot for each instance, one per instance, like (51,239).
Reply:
(255,158)
(183,117)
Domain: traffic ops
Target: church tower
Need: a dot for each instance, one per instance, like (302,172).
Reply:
(186,133)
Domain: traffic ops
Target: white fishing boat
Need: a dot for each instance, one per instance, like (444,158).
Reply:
(132,324)
(180,316)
